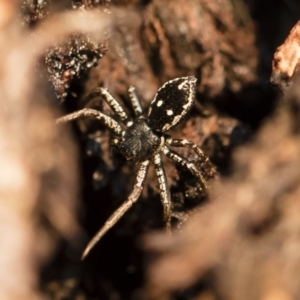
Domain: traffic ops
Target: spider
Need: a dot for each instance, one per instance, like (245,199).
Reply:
(144,140)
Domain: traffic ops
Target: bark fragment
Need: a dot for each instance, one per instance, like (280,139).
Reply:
(286,61)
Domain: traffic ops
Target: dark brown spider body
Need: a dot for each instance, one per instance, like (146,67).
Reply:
(143,141)
(139,142)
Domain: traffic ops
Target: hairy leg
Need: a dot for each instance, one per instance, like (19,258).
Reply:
(110,100)
(114,218)
(163,190)
(186,164)
(92,113)
(135,101)
(186,143)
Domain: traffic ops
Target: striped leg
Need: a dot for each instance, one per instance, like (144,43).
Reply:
(163,190)
(186,143)
(114,218)
(110,100)
(135,102)
(92,113)
(185,163)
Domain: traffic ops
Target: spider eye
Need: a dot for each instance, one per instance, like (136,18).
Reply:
(171,103)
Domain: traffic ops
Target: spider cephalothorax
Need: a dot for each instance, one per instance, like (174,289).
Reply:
(143,140)
(139,142)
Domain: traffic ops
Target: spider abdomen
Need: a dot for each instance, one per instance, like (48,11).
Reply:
(139,142)
(171,103)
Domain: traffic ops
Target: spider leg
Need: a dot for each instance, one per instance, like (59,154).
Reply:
(185,163)
(138,110)
(163,190)
(88,112)
(110,100)
(186,143)
(114,218)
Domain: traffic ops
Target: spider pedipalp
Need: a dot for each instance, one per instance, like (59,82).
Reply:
(142,140)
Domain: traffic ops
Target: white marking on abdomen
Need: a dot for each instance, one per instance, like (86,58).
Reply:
(159,103)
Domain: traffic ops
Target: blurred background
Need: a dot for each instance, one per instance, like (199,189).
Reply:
(59,184)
